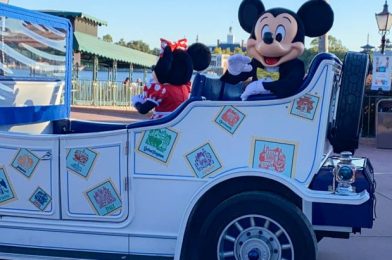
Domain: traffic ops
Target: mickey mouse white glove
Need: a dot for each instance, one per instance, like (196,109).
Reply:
(254,88)
(137,99)
(238,63)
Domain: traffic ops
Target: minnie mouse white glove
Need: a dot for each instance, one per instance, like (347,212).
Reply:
(137,99)
(238,63)
(254,88)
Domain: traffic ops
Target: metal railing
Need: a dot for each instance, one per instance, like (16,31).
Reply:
(369,113)
(103,93)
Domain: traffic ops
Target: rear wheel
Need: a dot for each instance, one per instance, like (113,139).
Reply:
(256,225)
(344,134)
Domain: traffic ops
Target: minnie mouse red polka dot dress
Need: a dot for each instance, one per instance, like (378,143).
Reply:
(166,97)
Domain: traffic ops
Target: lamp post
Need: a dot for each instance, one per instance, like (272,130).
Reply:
(384,23)
(323,41)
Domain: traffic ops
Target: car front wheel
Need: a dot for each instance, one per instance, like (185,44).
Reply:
(256,226)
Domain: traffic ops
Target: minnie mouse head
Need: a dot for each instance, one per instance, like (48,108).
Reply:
(277,35)
(177,61)
(172,75)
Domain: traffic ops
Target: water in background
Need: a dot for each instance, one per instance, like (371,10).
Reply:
(103,75)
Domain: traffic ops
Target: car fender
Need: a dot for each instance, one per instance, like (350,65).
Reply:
(303,192)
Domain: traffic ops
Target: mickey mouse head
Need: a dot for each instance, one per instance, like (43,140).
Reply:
(277,34)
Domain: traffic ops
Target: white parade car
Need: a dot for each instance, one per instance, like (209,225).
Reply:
(219,178)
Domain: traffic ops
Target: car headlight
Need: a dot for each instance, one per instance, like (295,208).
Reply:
(344,174)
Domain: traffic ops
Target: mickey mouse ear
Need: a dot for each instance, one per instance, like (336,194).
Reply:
(201,56)
(248,13)
(317,17)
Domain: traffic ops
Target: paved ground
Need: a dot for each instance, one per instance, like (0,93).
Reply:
(107,115)
(374,244)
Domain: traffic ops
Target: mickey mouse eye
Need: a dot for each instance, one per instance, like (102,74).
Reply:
(265,30)
(280,33)
(266,35)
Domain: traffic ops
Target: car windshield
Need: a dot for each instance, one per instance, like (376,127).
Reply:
(31,50)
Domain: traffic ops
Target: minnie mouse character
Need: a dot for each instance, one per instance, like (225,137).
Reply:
(275,43)
(171,77)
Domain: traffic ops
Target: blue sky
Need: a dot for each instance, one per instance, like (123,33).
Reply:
(149,20)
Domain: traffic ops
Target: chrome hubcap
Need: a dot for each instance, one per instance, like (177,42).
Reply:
(254,237)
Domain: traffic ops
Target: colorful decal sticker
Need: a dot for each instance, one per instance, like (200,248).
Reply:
(25,162)
(230,119)
(274,157)
(158,143)
(81,160)
(203,161)
(6,191)
(305,106)
(40,199)
(104,199)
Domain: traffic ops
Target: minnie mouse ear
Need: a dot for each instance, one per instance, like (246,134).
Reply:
(201,56)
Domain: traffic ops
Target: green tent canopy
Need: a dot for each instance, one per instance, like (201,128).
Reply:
(89,44)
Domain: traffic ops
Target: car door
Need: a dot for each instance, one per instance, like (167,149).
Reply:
(93,182)
(29,176)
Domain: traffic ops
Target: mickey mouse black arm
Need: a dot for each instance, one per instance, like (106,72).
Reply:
(243,76)
(290,79)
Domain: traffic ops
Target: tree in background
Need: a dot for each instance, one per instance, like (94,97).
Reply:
(139,45)
(335,46)
(226,51)
(217,50)
(239,51)
(156,51)
(122,42)
(107,38)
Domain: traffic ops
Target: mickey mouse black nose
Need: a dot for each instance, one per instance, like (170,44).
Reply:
(267,38)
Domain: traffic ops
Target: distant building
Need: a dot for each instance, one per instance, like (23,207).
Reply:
(367,48)
(229,44)
(230,36)
(218,63)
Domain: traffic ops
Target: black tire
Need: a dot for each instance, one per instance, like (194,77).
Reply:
(344,134)
(288,234)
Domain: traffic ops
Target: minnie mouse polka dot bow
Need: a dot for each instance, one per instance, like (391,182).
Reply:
(180,44)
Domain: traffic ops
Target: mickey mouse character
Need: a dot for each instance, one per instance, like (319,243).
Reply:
(171,77)
(276,41)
